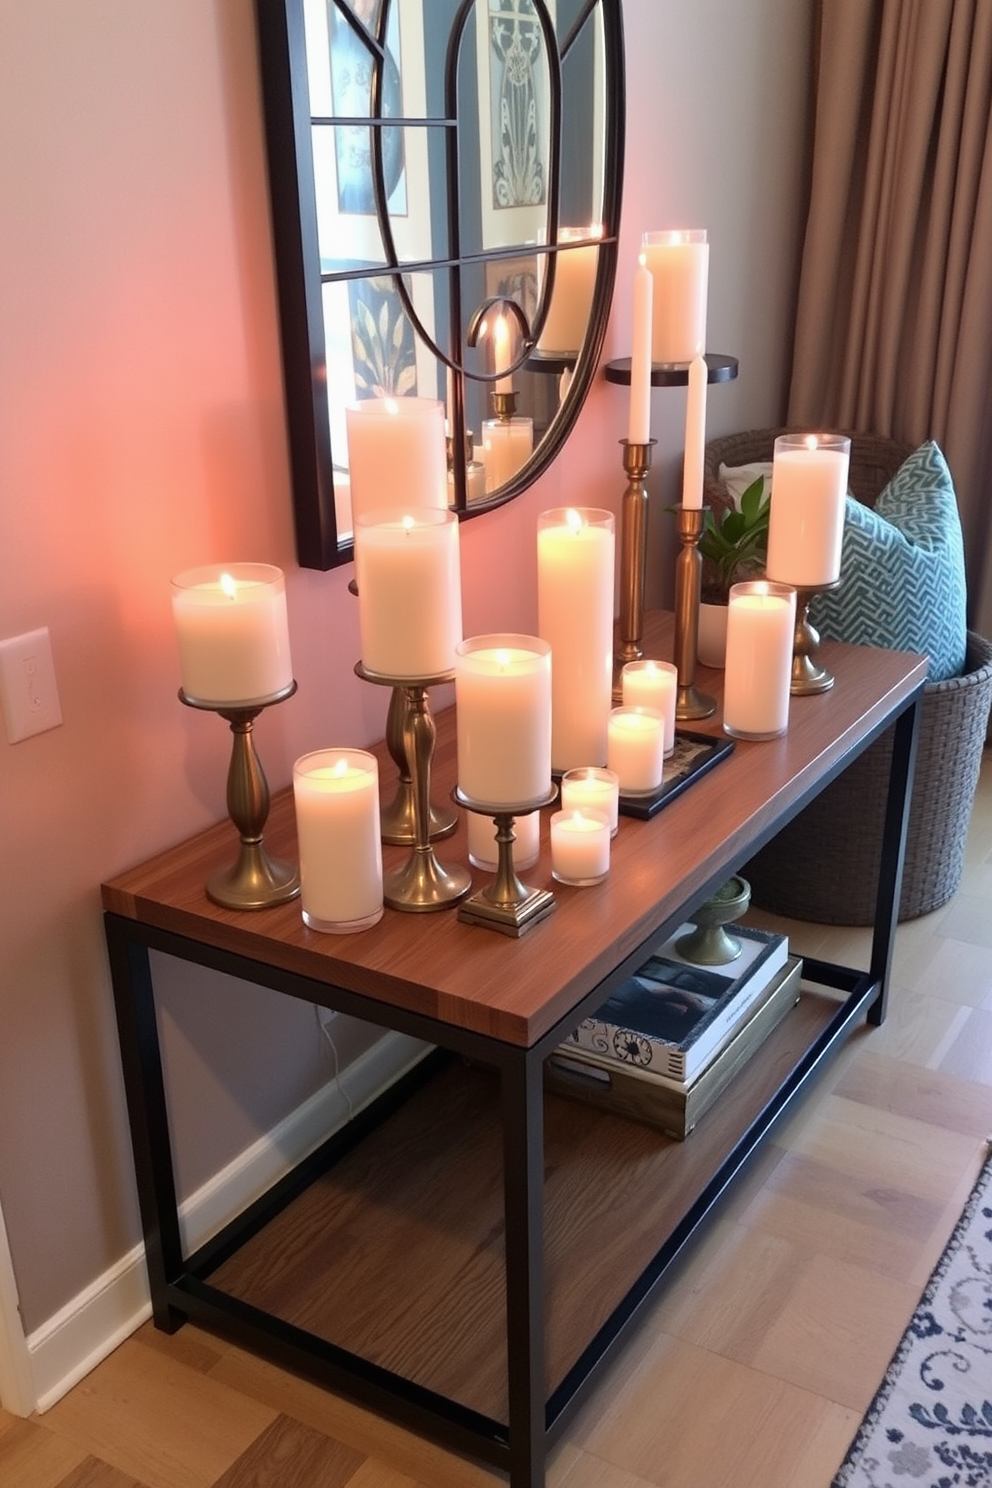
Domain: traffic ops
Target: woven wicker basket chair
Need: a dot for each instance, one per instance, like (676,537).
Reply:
(824,865)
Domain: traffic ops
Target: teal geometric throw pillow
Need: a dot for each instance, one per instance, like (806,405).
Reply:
(902,569)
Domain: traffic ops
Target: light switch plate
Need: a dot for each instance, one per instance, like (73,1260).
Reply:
(27,681)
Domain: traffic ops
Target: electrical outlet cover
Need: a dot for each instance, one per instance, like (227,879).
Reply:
(27,682)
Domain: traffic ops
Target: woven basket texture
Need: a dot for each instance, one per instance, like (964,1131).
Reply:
(824,865)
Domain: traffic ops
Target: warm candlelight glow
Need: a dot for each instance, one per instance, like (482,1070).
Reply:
(229,585)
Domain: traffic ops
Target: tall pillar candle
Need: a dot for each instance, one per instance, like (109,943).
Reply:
(653,684)
(409,592)
(639,427)
(761,620)
(679,265)
(503,719)
(571,302)
(396,454)
(636,751)
(576,550)
(336,797)
(233,633)
(806,515)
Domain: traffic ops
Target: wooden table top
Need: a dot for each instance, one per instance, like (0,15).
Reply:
(515,990)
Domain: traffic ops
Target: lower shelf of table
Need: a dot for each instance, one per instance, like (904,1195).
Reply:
(396,1252)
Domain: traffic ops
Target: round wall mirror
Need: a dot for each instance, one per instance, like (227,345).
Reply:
(445,180)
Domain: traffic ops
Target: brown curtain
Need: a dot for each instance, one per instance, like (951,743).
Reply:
(894,319)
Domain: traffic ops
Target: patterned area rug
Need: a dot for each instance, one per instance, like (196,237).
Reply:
(930,1424)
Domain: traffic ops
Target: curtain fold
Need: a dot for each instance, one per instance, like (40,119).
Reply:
(894,315)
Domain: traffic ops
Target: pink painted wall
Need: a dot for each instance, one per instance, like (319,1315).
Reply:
(142,431)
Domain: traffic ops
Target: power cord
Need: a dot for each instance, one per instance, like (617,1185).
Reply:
(325,1029)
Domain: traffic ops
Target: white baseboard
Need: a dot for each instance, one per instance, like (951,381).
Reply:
(94,1322)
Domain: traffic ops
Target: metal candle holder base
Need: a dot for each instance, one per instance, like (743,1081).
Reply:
(506,904)
(633,559)
(808,676)
(255,880)
(689,702)
(422,884)
(709,944)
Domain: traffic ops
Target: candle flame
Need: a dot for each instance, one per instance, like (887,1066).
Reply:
(409,523)
(391,405)
(502,658)
(573,521)
(811,441)
(340,767)
(642,259)
(228,585)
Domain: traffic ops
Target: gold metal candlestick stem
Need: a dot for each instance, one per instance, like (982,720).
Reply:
(398,824)
(689,702)
(506,904)
(808,675)
(505,406)
(633,558)
(255,880)
(422,884)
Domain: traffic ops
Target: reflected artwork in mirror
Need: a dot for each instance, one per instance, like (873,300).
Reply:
(445,182)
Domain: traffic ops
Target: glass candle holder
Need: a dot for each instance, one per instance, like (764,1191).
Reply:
(336,796)
(580,847)
(652,684)
(503,707)
(592,788)
(761,620)
(636,749)
(233,634)
(408,572)
(679,264)
(806,516)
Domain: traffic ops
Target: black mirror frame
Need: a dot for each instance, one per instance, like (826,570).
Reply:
(287,118)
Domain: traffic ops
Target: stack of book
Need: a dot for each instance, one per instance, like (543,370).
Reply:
(668,1040)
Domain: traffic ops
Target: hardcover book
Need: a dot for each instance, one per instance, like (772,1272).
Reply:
(672,1015)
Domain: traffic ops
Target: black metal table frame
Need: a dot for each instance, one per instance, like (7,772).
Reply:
(179,1284)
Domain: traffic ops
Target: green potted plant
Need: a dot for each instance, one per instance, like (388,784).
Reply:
(733,546)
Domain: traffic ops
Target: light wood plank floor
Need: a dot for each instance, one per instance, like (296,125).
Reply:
(753,1369)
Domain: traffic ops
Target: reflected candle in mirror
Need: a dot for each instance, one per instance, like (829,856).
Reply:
(503,713)
(336,798)
(575,279)
(653,684)
(396,454)
(233,633)
(483,851)
(636,749)
(507,445)
(806,515)
(761,619)
(679,264)
(409,592)
(580,847)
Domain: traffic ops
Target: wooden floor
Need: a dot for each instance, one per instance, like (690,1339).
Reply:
(754,1368)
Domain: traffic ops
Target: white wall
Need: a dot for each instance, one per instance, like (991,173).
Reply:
(141,431)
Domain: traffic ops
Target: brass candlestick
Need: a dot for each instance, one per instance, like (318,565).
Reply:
(255,880)
(690,702)
(398,823)
(506,904)
(633,558)
(422,884)
(808,676)
(505,406)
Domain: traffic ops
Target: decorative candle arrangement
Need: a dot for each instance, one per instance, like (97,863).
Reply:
(760,623)
(806,516)
(592,788)
(336,796)
(396,454)
(503,707)
(679,265)
(575,561)
(639,428)
(636,749)
(575,279)
(409,593)
(653,684)
(233,634)
(507,445)
(580,847)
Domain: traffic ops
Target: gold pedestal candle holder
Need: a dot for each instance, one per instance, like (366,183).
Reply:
(505,406)
(255,880)
(690,703)
(422,884)
(399,818)
(808,676)
(506,904)
(633,558)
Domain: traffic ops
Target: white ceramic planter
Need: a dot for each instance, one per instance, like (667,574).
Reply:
(711,647)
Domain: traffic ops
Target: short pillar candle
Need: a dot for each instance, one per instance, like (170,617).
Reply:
(336,797)
(503,713)
(233,633)
(806,515)
(592,788)
(409,592)
(679,265)
(761,620)
(653,684)
(580,847)
(636,749)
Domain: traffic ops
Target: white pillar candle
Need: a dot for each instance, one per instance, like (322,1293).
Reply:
(639,428)
(233,633)
(503,719)
(580,847)
(636,749)
(575,564)
(336,796)
(679,264)
(653,684)
(695,434)
(761,619)
(507,445)
(409,592)
(806,516)
(396,454)
(502,352)
(482,849)
(571,303)
(592,788)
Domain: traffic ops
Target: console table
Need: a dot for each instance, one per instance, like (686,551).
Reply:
(466,1253)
